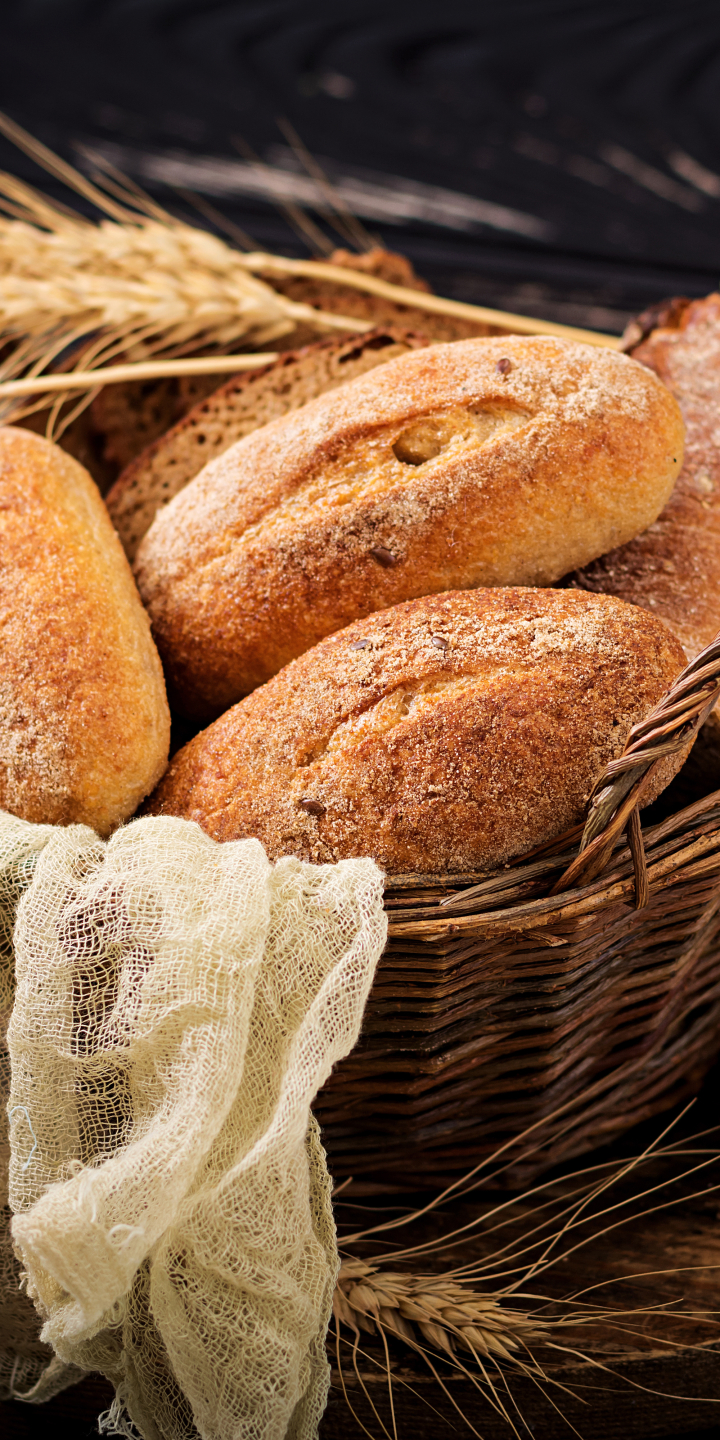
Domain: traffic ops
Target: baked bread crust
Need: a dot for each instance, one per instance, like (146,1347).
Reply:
(485,462)
(449,733)
(234,410)
(673,569)
(84,723)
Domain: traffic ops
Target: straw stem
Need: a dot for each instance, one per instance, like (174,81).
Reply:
(421,300)
(140,370)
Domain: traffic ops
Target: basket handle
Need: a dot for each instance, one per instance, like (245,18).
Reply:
(614,800)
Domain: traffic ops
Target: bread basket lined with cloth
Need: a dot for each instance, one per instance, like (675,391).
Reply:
(171,1197)
(559,997)
(424,1049)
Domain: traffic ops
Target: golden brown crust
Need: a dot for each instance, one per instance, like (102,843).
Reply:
(84,724)
(234,410)
(446,734)
(540,453)
(673,569)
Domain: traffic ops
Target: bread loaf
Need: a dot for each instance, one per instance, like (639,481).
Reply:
(449,733)
(234,410)
(483,462)
(84,724)
(673,569)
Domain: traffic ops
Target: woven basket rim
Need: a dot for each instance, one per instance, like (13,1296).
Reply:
(615,860)
(440,915)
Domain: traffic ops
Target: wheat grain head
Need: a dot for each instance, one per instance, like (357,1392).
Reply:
(76,294)
(442,1312)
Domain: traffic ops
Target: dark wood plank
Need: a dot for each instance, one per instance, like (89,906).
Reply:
(603,1407)
(574,115)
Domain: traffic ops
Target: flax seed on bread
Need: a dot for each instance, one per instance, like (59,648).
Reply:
(449,733)
(483,462)
(84,723)
(234,410)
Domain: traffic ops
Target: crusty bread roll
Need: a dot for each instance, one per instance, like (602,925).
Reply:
(673,569)
(84,723)
(235,409)
(446,734)
(483,462)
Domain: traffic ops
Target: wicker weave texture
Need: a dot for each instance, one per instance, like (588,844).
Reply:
(494,1011)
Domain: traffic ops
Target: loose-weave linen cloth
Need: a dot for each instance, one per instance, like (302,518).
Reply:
(178,1004)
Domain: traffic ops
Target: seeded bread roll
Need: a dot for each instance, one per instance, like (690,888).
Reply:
(446,734)
(673,569)
(84,724)
(484,462)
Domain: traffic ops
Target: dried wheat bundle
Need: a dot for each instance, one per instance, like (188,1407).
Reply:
(130,289)
(75,294)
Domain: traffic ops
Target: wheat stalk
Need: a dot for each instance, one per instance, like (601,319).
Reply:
(130,289)
(75,294)
(442,1312)
(138,370)
(487,1312)
(422,300)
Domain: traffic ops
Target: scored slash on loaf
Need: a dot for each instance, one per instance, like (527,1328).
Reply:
(238,407)
(484,462)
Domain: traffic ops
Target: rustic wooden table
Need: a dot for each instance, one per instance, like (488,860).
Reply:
(553,159)
(661,1374)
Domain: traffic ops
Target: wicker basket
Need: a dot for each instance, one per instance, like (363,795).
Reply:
(549,1006)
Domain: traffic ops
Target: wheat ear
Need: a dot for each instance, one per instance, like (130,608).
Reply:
(431,1308)
(488,1308)
(75,295)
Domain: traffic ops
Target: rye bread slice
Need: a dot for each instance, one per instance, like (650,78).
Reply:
(241,405)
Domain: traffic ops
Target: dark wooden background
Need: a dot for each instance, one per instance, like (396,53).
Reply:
(594,123)
(598,120)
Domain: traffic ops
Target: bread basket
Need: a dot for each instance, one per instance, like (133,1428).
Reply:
(547,1007)
(498,1010)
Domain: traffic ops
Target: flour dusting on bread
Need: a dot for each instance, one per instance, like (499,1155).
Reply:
(84,724)
(483,462)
